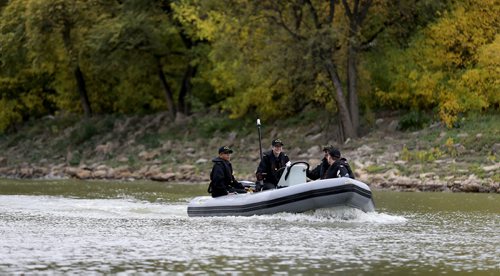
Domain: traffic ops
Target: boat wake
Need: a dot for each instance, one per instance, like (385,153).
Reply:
(343,215)
(132,208)
(355,215)
(90,208)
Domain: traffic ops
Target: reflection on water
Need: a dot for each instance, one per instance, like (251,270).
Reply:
(55,234)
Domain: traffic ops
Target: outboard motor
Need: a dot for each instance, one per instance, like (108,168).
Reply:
(294,174)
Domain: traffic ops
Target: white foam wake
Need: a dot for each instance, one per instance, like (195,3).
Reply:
(90,208)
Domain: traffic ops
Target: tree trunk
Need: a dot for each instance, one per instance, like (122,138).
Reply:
(82,90)
(352,75)
(169,95)
(349,117)
(80,80)
(183,106)
(345,117)
(356,16)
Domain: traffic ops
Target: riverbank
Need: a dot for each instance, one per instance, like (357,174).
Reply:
(463,159)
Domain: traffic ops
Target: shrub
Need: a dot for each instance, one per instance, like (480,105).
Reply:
(80,135)
(413,120)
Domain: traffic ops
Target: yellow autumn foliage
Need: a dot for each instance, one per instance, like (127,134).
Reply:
(453,65)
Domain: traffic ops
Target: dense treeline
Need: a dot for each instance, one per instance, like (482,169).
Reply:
(270,58)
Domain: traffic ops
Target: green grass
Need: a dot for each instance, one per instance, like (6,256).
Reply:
(376,169)
(150,140)
(477,133)
(477,170)
(496,177)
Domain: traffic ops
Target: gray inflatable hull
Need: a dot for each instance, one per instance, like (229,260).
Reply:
(294,199)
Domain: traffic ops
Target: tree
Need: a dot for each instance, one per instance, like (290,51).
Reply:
(449,65)
(147,49)
(24,92)
(121,56)
(356,14)
(55,31)
(275,57)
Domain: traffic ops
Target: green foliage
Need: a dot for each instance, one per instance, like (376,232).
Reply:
(376,169)
(477,134)
(85,130)
(308,116)
(23,91)
(105,124)
(449,66)
(8,114)
(83,133)
(264,58)
(258,65)
(75,159)
(413,120)
(116,46)
(405,154)
(149,140)
(496,178)
(207,127)
(59,123)
(449,145)
(421,156)
(23,98)
(477,170)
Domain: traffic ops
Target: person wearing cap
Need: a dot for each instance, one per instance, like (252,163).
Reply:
(222,181)
(270,167)
(338,166)
(320,170)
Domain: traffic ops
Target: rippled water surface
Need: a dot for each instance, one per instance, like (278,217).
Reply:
(126,228)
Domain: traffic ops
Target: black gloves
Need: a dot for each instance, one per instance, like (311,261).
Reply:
(258,186)
(259,176)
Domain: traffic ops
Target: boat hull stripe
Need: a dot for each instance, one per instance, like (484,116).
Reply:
(245,208)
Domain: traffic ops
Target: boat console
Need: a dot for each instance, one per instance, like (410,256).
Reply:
(294,173)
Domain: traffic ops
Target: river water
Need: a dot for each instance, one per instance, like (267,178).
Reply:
(76,227)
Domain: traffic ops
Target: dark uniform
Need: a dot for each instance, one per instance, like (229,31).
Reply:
(269,169)
(339,168)
(319,171)
(222,181)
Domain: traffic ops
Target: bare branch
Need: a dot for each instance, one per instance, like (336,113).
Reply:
(331,13)
(364,11)
(273,7)
(280,22)
(314,14)
(347,9)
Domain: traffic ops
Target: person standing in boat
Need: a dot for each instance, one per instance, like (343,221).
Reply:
(271,166)
(222,181)
(338,166)
(320,170)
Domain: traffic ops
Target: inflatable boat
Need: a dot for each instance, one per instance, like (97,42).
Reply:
(294,195)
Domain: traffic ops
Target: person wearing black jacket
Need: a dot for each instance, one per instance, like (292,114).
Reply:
(320,170)
(338,166)
(222,181)
(271,166)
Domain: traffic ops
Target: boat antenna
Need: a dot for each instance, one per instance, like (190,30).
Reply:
(260,138)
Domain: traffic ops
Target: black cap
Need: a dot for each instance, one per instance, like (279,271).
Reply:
(225,149)
(334,152)
(277,142)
